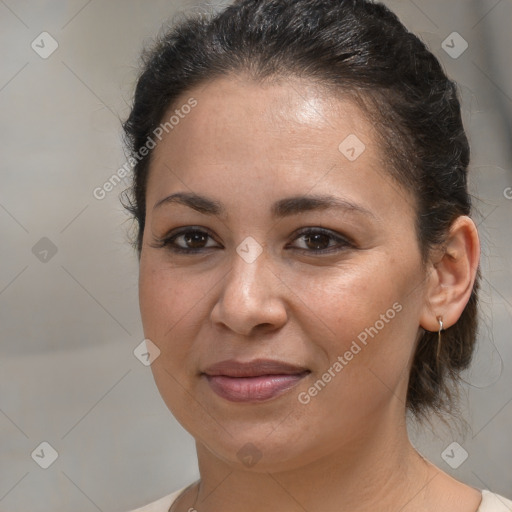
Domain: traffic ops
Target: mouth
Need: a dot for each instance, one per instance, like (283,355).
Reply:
(254,381)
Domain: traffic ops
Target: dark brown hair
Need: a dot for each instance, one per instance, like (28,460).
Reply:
(352,47)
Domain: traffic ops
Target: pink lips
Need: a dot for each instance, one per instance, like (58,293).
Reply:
(254,381)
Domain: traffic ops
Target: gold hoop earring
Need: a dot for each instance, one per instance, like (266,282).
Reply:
(440,320)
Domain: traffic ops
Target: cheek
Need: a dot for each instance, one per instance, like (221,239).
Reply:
(170,308)
(175,305)
(165,297)
(368,318)
(344,301)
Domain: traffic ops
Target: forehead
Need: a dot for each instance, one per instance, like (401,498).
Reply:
(244,114)
(285,136)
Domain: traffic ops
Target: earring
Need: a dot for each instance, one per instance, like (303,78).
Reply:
(440,320)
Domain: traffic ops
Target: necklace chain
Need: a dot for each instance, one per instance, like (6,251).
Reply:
(173,505)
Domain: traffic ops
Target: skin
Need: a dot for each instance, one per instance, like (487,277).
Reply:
(247,146)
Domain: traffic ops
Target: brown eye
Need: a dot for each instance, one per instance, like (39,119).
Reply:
(195,239)
(190,240)
(318,240)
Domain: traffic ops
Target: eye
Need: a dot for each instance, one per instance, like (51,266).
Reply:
(189,240)
(319,240)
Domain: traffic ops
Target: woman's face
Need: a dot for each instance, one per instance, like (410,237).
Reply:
(290,242)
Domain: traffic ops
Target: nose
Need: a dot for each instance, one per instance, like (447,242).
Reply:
(252,298)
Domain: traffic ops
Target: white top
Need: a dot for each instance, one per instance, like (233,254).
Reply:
(491,502)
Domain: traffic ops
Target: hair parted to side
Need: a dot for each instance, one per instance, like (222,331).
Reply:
(355,48)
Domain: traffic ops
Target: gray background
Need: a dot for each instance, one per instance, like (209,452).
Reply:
(69,324)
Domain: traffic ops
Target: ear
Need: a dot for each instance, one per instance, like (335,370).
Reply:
(451,275)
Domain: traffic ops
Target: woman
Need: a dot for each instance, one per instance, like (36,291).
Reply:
(308,264)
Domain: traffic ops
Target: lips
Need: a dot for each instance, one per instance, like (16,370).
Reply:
(255,368)
(253,381)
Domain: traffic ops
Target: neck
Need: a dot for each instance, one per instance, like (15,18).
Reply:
(379,469)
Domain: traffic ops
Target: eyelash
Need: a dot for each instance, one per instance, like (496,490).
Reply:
(169,241)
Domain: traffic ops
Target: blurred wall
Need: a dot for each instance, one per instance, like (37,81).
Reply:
(69,319)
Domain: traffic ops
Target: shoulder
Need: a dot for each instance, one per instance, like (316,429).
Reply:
(492,502)
(161,505)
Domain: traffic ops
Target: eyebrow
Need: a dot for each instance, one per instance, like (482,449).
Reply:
(199,203)
(282,208)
